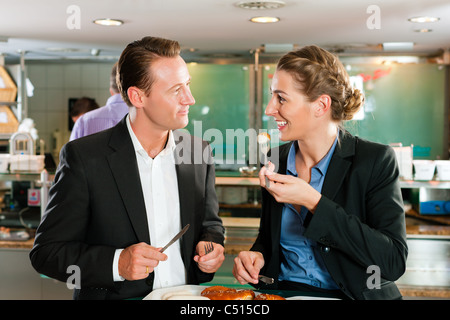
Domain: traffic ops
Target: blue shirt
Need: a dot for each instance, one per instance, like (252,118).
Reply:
(301,260)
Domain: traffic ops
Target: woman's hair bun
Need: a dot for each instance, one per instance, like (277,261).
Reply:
(352,104)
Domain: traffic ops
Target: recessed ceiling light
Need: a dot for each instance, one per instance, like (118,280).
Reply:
(260,5)
(423,19)
(264,19)
(423,30)
(108,22)
(398,46)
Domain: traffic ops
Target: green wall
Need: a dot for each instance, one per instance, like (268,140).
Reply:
(221,93)
(404,103)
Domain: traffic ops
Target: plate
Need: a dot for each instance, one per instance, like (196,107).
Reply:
(186,292)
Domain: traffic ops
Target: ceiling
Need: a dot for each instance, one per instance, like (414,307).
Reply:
(216,29)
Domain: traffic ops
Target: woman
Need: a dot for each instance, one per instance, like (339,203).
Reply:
(332,216)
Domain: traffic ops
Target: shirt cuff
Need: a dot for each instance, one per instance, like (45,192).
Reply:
(116,276)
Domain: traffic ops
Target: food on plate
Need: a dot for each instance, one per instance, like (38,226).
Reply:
(266,296)
(229,295)
(225,293)
(216,289)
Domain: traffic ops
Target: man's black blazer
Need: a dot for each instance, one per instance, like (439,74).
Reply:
(96,205)
(359,221)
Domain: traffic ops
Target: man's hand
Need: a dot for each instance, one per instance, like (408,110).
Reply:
(212,261)
(138,260)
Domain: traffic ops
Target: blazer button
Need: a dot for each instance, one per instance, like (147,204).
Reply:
(325,249)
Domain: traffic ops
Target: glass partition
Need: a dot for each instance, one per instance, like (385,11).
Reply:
(405,103)
(221,112)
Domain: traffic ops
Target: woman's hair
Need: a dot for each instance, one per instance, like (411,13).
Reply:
(134,65)
(316,72)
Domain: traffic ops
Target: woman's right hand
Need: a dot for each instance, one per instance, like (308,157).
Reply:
(267,169)
(247,266)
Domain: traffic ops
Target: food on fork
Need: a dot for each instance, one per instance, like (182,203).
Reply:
(263,137)
(264,144)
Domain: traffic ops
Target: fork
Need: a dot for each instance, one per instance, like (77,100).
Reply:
(209,247)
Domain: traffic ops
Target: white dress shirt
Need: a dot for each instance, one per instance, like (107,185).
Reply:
(160,188)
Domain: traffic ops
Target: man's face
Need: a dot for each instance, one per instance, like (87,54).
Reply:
(167,105)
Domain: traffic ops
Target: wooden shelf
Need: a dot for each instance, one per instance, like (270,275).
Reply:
(439,219)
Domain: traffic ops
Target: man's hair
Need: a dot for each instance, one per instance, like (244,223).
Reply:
(134,65)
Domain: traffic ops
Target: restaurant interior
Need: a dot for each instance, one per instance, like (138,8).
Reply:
(396,52)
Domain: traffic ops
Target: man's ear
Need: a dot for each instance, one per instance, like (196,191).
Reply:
(322,105)
(135,95)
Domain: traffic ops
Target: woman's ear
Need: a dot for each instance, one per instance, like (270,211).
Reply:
(322,105)
(135,95)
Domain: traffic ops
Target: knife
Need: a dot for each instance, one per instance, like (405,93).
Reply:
(265,279)
(178,236)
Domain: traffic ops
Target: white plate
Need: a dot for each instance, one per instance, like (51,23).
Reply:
(186,292)
(310,298)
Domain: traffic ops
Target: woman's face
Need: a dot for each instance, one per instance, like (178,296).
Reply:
(290,108)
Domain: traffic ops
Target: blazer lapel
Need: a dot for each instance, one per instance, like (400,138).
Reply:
(339,165)
(124,168)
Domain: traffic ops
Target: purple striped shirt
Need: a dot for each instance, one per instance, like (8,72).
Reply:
(101,118)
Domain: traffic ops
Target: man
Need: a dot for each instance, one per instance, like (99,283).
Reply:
(104,117)
(121,194)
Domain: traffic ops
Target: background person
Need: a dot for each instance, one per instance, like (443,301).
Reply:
(104,117)
(81,106)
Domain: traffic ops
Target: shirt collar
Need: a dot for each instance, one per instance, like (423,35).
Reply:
(322,166)
(115,98)
(170,145)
